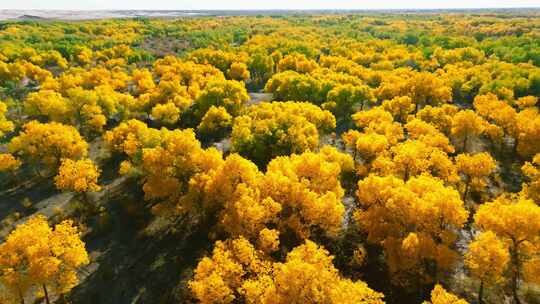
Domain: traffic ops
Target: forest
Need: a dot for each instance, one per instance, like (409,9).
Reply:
(353,158)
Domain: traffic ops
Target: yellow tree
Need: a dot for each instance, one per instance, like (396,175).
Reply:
(88,109)
(399,106)
(372,118)
(35,255)
(167,114)
(349,140)
(498,112)
(527,102)
(377,120)
(85,109)
(428,134)
(368,146)
(79,176)
(8,163)
(268,240)
(308,188)
(45,144)
(290,85)
(467,125)
(297,196)
(83,55)
(342,99)
(414,221)
(475,170)
(487,259)
(47,103)
(131,137)
(532,172)
(215,122)
(308,276)
(261,67)
(143,81)
(272,129)
(423,88)
(232,188)
(237,272)
(414,157)
(410,158)
(172,168)
(233,263)
(222,60)
(516,222)
(168,100)
(428,89)
(296,62)
(230,94)
(439,295)
(5,125)
(528,139)
(238,71)
(440,117)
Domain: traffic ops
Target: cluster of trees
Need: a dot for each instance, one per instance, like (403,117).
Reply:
(390,150)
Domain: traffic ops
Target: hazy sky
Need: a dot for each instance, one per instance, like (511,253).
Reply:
(256,4)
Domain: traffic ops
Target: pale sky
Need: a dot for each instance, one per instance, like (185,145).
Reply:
(256,4)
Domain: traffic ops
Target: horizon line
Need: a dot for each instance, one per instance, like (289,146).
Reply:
(276,9)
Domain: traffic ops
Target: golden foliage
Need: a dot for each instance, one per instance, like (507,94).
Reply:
(237,272)
(272,129)
(131,136)
(439,295)
(516,222)
(166,113)
(487,258)
(238,71)
(8,162)
(532,172)
(414,221)
(230,94)
(48,143)
(475,169)
(216,120)
(34,254)
(6,126)
(79,176)
(467,125)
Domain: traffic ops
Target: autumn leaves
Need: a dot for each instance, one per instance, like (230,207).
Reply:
(36,258)
(261,213)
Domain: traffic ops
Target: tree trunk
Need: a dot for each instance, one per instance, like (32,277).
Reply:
(419,290)
(514,291)
(515,273)
(406,174)
(46,294)
(465,140)
(466,191)
(481,293)
(21,296)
